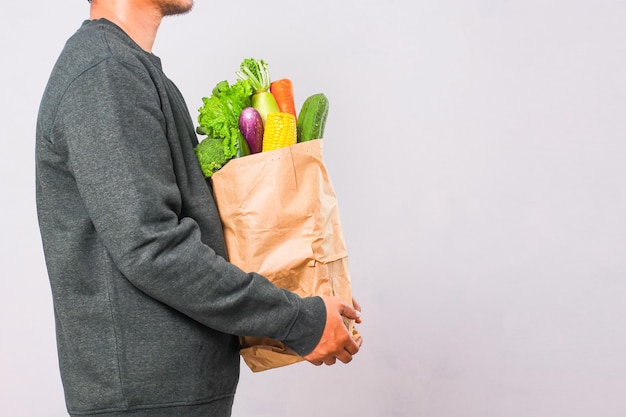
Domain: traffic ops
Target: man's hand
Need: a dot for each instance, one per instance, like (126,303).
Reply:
(336,342)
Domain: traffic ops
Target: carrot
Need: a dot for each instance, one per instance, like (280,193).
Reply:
(282,90)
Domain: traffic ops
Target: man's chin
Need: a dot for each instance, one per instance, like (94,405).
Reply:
(176,7)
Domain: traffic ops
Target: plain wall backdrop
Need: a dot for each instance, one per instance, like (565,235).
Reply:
(478,152)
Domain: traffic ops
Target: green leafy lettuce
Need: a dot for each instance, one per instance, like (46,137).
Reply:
(218,118)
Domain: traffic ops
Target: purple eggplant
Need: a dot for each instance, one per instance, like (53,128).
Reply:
(251,127)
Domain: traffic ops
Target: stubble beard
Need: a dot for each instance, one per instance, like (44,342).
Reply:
(175,7)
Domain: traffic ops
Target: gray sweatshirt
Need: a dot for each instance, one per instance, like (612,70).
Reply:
(147,306)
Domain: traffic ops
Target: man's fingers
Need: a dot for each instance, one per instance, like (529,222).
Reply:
(330,361)
(357,307)
(352,347)
(349,312)
(345,356)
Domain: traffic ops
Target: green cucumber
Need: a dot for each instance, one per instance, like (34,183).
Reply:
(312,118)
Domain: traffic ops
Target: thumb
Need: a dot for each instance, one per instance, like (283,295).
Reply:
(349,312)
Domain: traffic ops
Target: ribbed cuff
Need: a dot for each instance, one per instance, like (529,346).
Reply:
(308,327)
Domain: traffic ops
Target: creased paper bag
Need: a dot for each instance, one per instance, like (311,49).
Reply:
(281,219)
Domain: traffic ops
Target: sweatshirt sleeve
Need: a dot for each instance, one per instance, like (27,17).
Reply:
(115,134)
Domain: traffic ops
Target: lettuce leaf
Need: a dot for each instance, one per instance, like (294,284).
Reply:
(218,118)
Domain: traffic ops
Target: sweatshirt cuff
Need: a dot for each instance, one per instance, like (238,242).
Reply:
(308,327)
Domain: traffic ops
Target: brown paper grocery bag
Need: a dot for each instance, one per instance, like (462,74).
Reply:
(281,219)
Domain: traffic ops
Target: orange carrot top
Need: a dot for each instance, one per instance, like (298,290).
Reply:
(282,90)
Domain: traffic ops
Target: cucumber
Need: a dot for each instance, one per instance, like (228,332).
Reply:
(312,118)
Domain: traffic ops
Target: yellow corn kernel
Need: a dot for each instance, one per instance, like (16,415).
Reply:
(279,131)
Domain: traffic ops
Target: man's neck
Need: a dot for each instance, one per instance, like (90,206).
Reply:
(141,24)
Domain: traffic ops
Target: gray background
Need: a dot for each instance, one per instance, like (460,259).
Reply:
(478,152)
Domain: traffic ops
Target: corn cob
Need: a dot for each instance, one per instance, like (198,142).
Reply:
(279,131)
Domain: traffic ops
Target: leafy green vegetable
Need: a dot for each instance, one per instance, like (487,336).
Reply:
(219,115)
(256,71)
(218,118)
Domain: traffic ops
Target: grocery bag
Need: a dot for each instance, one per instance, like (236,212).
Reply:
(281,219)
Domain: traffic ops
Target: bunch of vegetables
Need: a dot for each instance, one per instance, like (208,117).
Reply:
(254,115)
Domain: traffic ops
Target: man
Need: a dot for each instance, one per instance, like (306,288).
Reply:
(147,308)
